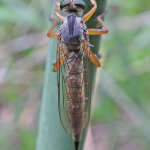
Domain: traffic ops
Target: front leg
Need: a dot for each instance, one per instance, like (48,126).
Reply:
(99,31)
(57,9)
(49,34)
(88,15)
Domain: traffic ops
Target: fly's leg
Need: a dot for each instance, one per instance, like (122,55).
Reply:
(93,57)
(88,15)
(99,31)
(57,9)
(59,62)
(90,54)
(49,34)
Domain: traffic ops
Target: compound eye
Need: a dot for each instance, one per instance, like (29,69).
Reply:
(64,3)
(79,3)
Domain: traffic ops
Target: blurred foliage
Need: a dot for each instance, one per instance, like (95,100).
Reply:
(121,101)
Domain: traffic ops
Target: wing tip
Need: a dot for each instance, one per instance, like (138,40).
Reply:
(76,145)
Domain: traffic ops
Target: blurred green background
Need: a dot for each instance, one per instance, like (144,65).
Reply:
(121,99)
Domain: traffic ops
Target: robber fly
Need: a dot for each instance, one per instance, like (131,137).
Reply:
(73,65)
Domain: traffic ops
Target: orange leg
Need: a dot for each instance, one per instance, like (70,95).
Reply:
(57,9)
(93,57)
(88,15)
(59,62)
(99,31)
(49,34)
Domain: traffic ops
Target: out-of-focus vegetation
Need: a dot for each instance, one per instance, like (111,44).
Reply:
(120,114)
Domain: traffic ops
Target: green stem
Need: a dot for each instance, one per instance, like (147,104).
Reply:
(51,135)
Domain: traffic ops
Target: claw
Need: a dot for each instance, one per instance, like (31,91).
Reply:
(103,13)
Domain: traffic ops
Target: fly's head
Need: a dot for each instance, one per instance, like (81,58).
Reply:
(73,6)
(72,27)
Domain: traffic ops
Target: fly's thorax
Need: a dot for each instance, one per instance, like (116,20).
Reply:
(72,31)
